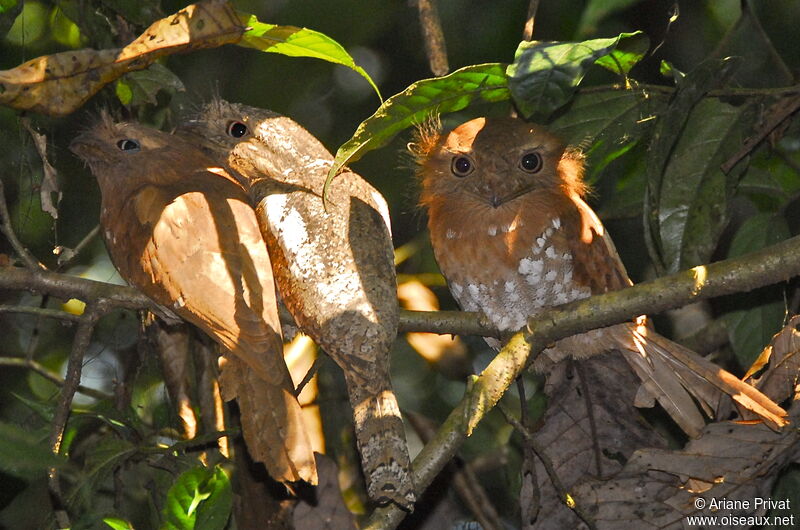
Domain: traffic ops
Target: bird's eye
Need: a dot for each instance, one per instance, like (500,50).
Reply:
(531,162)
(128,145)
(462,166)
(237,129)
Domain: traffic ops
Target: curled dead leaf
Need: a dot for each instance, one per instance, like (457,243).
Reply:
(60,83)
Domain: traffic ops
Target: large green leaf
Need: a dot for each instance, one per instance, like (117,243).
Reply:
(669,128)
(297,42)
(201,498)
(23,454)
(608,123)
(752,327)
(693,204)
(453,92)
(544,75)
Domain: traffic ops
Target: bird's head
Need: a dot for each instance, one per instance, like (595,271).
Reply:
(254,142)
(125,155)
(491,162)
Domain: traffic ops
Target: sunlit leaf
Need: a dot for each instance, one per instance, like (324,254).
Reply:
(60,83)
(118,524)
(23,454)
(64,30)
(544,75)
(483,82)
(200,498)
(297,42)
(29,26)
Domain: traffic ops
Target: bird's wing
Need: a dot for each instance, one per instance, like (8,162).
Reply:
(207,252)
(670,373)
(597,263)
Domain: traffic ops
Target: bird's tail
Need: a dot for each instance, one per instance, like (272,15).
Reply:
(676,376)
(381,442)
(272,423)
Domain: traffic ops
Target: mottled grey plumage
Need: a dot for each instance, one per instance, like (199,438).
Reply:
(334,267)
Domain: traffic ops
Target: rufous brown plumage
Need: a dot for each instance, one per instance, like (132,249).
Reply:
(183,232)
(513,235)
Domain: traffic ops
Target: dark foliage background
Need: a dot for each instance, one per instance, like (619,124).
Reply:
(759,208)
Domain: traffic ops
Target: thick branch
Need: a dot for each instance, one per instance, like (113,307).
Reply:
(65,287)
(771,265)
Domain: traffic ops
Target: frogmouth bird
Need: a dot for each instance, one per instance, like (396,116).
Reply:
(333,264)
(182,231)
(513,236)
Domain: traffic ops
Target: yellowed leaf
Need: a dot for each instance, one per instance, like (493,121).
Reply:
(445,350)
(60,83)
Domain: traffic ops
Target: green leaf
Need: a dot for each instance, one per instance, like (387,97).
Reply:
(450,93)
(608,123)
(7,5)
(693,205)
(23,454)
(297,42)
(544,75)
(201,498)
(118,524)
(668,130)
(751,328)
(137,88)
(124,91)
(29,26)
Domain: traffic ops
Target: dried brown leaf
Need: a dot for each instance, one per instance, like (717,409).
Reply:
(590,429)
(60,83)
(329,511)
(172,345)
(49,185)
(782,361)
(658,488)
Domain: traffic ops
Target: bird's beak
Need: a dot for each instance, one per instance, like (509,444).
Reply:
(85,147)
(497,200)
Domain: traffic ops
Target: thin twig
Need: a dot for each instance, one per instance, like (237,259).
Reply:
(527,32)
(563,494)
(433,36)
(466,484)
(312,371)
(587,401)
(5,226)
(779,112)
(531,511)
(40,312)
(71,383)
(68,255)
(19,362)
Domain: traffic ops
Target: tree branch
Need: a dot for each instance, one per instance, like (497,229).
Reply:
(433,36)
(767,266)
